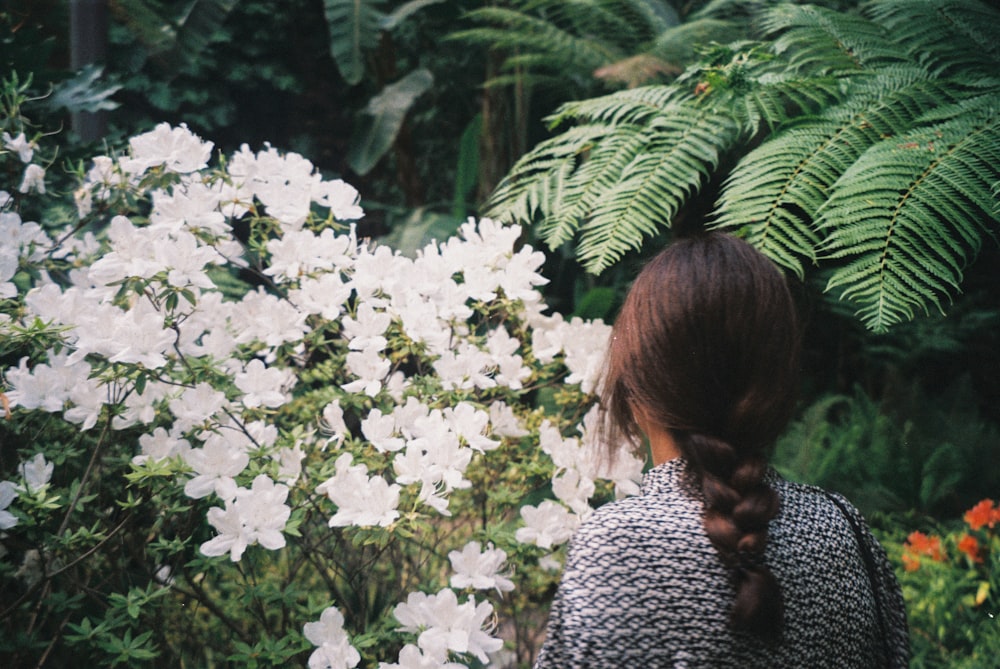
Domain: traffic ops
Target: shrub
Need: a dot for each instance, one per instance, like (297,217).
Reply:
(236,433)
(951,583)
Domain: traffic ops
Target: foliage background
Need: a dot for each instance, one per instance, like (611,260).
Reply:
(901,422)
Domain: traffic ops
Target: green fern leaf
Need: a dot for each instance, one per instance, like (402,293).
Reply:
(908,230)
(774,192)
(960,37)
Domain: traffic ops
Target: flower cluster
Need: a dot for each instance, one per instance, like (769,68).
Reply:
(301,389)
(973,542)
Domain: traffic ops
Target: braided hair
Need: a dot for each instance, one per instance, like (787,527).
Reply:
(706,348)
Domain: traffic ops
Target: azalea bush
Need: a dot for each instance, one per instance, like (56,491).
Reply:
(237,434)
(951,583)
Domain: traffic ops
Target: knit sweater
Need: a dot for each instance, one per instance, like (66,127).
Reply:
(643,587)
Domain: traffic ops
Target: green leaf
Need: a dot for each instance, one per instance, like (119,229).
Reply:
(354,27)
(383,118)
(392,20)
(85,92)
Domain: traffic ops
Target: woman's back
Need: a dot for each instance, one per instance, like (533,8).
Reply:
(644,587)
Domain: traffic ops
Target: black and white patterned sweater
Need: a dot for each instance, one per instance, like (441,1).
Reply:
(643,587)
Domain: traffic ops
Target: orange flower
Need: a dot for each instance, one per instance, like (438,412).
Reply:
(970,547)
(919,543)
(981,514)
(910,563)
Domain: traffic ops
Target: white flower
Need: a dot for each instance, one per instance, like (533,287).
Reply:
(340,197)
(573,489)
(260,316)
(216,464)
(185,258)
(335,650)
(257,515)
(470,424)
(19,145)
(370,368)
(325,295)
(413,657)
(8,268)
(379,430)
(8,493)
(196,405)
(177,149)
(36,472)
(45,386)
(443,624)
(193,207)
(34,179)
(479,568)
(585,343)
(503,421)
(160,445)
(367,331)
(360,500)
(332,422)
(465,368)
(301,252)
(263,386)
(546,525)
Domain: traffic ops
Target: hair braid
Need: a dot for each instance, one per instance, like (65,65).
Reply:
(738,506)
(706,347)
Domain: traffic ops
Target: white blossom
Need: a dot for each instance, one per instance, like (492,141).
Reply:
(20,145)
(361,500)
(8,493)
(380,431)
(370,369)
(34,179)
(334,647)
(215,464)
(254,516)
(479,568)
(445,625)
(160,445)
(332,422)
(547,525)
(177,149)
(414,657)
(36,472)
(263,386)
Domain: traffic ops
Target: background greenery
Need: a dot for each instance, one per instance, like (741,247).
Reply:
(433,102)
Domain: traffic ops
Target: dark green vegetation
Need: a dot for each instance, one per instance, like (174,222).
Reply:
(857,144)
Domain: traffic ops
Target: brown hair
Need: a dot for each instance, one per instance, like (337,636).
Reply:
(706,346)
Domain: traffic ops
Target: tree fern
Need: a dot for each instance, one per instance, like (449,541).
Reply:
(911,231)
(869,145)
(774,192)
(646,151)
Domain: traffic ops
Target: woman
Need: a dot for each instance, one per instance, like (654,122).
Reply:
(719,562)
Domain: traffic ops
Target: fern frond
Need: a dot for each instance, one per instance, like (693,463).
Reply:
(519,197)
(913,224)
(598,174)
(529,34)
(774,192)
(684,149)
(633,106)
(678,44)
(815,39)
(960,37)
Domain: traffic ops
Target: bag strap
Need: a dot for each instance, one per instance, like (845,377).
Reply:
(869,560)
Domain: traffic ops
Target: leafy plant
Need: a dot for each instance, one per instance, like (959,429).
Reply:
(909,451)
(236,433)
(868,144)
(951,583)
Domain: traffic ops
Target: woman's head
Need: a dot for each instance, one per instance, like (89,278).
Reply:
(705,349)
(706,342)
